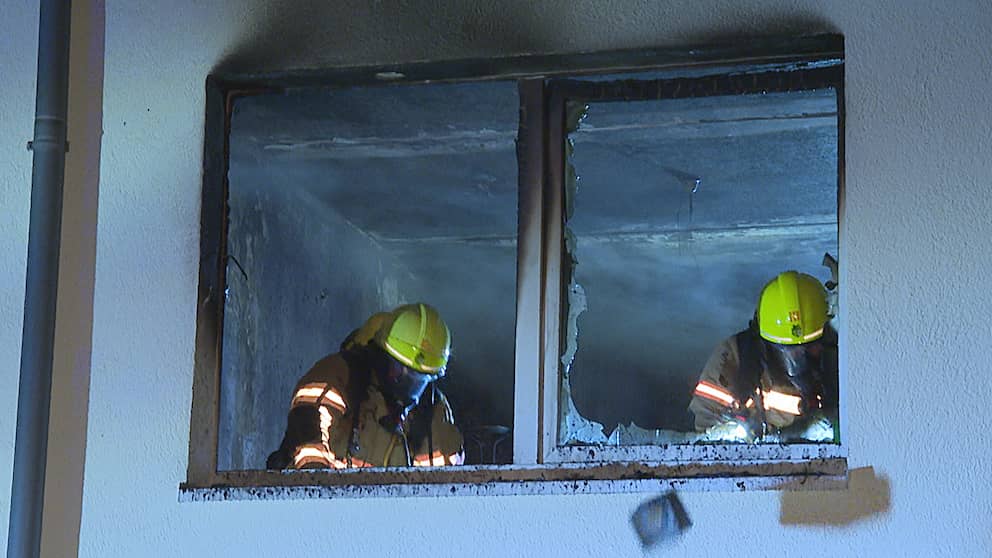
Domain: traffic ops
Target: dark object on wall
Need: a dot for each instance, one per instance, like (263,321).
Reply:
(660,519)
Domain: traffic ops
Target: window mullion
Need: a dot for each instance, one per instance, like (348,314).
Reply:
(553,249)
(527,358)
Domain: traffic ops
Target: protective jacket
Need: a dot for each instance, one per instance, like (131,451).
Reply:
(738,383)
(336,421)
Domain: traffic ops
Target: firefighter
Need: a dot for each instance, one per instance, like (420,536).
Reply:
(376,402)
(777,377)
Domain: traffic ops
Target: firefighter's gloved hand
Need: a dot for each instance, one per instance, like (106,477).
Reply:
(819,428)
(732,430)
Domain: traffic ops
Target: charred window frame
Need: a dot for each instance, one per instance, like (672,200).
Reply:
(563,98)
(540,465)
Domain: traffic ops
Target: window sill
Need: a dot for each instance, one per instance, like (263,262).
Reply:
(507,480)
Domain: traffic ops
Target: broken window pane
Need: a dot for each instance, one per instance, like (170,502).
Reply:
(677,213)
(347,202)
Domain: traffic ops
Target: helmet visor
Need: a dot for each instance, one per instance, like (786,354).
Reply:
(417,358)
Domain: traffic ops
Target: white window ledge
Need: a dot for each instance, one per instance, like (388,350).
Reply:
(505,480)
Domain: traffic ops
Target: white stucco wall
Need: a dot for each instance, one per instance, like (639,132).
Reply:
(914,245)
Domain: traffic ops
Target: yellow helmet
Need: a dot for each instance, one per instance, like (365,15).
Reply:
(416,336)
(792,309)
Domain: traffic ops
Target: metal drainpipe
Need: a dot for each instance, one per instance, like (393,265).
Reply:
(34,394)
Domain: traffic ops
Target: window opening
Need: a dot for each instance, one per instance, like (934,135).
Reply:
(332,195)
(347,202)
(677,211)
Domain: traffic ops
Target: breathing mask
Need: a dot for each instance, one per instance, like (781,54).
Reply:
(402,388)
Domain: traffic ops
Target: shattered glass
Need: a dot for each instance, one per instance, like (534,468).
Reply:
(676,213)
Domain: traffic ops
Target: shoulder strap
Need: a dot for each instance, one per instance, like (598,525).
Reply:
(430,423)
(749,365)
(357,388)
